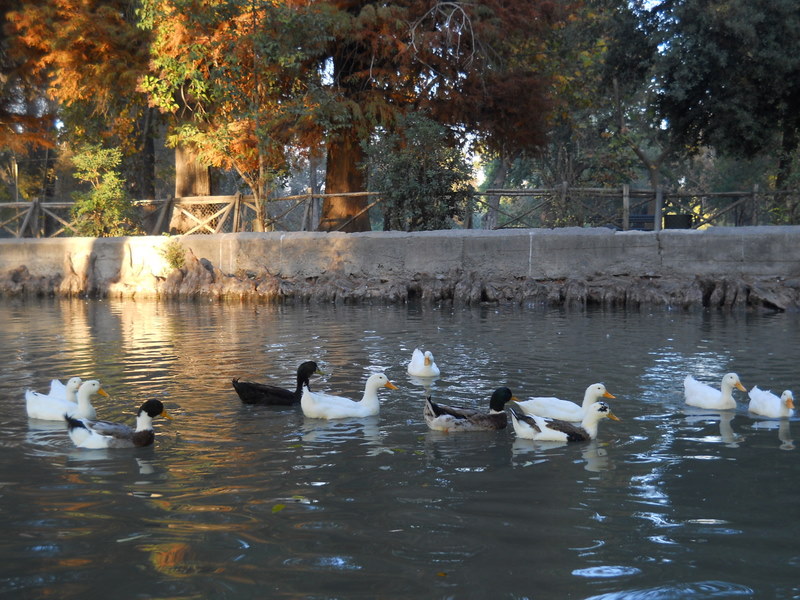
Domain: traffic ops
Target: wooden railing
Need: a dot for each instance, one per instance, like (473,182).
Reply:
(618,208)
(626,208)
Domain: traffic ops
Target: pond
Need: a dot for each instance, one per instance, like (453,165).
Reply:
(237,501)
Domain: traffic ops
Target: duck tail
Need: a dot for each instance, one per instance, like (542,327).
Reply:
(515,411)
(78,431)
(518,414)
(73,423)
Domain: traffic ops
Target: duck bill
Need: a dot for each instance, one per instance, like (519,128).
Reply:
(740,387)
(609,395)
(613,417)
(166,415)
(790,403)
(102,392)
(427,361)
(390,385)
(319,372)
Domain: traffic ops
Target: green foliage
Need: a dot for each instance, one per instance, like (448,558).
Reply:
(106,209)
(424,181)
(174,253)
(729,78)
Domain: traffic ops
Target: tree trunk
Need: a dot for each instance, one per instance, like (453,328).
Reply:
(191,178)
(344,174)
(498,182)
(789,143)
(145,166)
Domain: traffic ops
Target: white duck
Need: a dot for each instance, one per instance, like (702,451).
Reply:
(422,364)
(565,410)
(542,429)
(767,404)
(68,391)
(86,433)
(317,405)
(46,408)
(704,396)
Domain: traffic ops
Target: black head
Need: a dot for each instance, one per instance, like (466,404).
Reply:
(153,408)
(605,411)
(307,369)
(499,398)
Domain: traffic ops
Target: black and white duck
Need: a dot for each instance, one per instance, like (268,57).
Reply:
(85,433)
(542,429)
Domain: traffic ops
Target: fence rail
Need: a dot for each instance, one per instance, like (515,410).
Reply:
(619,208)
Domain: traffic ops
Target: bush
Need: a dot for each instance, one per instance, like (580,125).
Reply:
(106,209)
(174,254)
(424,181)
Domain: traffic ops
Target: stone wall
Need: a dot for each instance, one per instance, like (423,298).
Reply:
(755,267)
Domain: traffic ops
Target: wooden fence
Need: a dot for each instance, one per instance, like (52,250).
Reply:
(619,208)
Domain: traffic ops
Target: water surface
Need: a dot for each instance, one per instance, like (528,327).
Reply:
(239,501)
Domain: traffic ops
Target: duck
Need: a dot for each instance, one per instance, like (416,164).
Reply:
(767,404)
(47,408)
(533,427)
(565,410)
(422,364)
(704,396)
(263,393)
(86,433)
(68,391)
(317,405)
(441,417)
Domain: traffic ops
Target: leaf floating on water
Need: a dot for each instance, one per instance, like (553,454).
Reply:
(130,538)
(441,574)
(278,508)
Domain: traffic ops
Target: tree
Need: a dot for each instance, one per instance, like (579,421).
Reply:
(89,57)
(730,77)
(258,77)
(238,80)
(598,61)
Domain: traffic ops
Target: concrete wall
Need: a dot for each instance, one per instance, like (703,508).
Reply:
(528,253)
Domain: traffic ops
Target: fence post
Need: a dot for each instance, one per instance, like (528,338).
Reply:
(626,207)
(305,223)
(162,212)
(236,208)
(659,212)
(756,207)
(29,222)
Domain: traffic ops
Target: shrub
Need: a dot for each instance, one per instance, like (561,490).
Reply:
(105,210)
(174,253)
(425,182)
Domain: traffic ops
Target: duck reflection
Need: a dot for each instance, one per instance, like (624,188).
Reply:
(725,419)
(595,456)
(340,431)
(424,382)
(783,428)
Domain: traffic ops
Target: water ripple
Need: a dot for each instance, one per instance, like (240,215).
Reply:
(701,589)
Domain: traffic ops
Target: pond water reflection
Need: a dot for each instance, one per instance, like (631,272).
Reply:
(238,501)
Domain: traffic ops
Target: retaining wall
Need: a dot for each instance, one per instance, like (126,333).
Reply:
(524,260)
